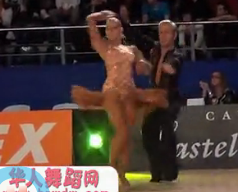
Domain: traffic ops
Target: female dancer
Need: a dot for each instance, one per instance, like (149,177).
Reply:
(120,98)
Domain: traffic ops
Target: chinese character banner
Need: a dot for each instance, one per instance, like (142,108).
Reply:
(44,179)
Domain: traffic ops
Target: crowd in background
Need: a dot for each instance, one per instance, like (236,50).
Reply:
(41,13)
(73,12)
(207,38)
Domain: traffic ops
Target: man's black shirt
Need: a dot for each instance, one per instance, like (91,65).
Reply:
(167,81)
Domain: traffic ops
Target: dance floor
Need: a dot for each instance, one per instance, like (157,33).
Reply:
(189,181)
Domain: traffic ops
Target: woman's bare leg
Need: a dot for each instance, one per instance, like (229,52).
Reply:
(130,111)
(115,109)
(123,164)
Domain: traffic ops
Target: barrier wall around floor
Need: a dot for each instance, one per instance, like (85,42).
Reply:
(207,138)
(36,138)
(43,87)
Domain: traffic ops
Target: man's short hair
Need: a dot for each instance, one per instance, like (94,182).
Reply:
(169,22)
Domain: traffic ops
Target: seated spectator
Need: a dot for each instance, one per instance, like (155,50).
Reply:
(218,92)
(185,32)
(222,35)
(124,14)
(87,7)
(114,5)
(134,8)
(155,11)
(93,6)
(199,8)
(26,13)
(41,9)
(128,31)
(66,12)
(176,10)
(222,14)
(6,14)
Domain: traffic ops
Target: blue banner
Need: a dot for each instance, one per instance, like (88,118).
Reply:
(42,87)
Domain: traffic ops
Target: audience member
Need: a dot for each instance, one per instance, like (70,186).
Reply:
(124,14)
(222,35)
(199,9)
(66,12)
(175,6)
(129,32)
(6,14)
(36,10)
(222,14)
(114,5)
(218,92)
(94,6)
(134,8)
(45,9)
(155,11)
(185,32)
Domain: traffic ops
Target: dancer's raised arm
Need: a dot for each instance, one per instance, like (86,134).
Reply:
(143,67)
(97,41)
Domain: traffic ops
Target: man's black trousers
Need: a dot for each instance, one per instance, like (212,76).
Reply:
(159,141)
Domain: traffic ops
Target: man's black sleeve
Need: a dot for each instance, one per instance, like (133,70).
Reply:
(175,60)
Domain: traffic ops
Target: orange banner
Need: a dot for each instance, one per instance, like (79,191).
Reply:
(36,138)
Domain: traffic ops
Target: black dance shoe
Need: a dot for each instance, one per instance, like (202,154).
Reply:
(155,180)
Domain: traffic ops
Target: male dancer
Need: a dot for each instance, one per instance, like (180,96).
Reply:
(159,139)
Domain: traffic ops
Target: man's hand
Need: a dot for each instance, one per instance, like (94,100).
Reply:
(167,68)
